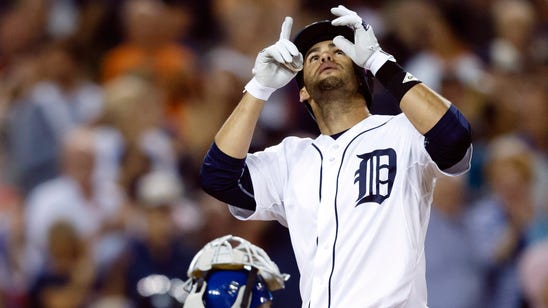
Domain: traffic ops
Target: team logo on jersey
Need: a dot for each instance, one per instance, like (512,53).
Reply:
(375,176)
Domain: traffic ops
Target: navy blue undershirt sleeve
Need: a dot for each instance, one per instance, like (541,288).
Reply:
(227,179)
(448,141)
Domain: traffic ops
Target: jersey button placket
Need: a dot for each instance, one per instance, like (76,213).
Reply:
(333,153)
(323,259)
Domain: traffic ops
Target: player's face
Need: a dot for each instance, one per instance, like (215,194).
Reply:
(326,67)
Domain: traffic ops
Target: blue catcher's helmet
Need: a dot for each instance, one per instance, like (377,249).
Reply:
(230,272)
(223,288)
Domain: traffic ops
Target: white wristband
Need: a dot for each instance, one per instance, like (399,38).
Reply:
(377,59)
(259,91)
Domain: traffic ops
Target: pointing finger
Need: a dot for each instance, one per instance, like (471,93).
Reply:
(286,28)
(291,48)
(284,52)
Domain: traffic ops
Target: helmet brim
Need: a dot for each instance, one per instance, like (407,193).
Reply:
(318,32)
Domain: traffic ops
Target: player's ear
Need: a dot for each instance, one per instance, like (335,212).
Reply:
(303,95)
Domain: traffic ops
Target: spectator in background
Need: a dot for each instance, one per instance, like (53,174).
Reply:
(92,207)
(21,36)
(62,99)
(62,18)
(158,248)
(131,139)
(148,45)
(22,31)
(532,127)
(66,87)
(67,277)
(533,271)
(150,48)
(515,47)
(439,50)
(13,279)
(507,221)
(451,263)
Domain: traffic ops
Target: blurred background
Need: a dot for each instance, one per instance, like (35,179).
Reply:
(107,108)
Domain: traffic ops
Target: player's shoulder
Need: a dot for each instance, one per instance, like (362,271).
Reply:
(400,117)
(397,120)
(296,142)
(386,121)
(291,144)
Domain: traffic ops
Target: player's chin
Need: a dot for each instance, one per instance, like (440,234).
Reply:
(330,82)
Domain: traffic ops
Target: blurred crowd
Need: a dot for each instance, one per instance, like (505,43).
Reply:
(107,108)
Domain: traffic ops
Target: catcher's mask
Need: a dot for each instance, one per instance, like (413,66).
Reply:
(324,31)
(231,272)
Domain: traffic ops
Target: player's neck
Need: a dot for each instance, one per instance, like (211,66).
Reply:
(333,119)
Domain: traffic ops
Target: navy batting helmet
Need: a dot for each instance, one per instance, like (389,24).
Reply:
(324,31)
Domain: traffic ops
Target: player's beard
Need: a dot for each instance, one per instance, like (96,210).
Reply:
(325,88)
(330,83)
(329,89)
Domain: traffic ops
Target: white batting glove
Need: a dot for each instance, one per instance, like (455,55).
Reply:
(275,65)
(365,51)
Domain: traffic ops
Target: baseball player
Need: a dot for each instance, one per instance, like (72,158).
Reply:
(356,199)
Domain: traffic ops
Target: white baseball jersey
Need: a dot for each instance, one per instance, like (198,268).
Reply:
(357,209)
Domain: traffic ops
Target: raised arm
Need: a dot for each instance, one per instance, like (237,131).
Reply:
(447,132)
(223,174)
(274,67)
(423,107)
(234,137)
